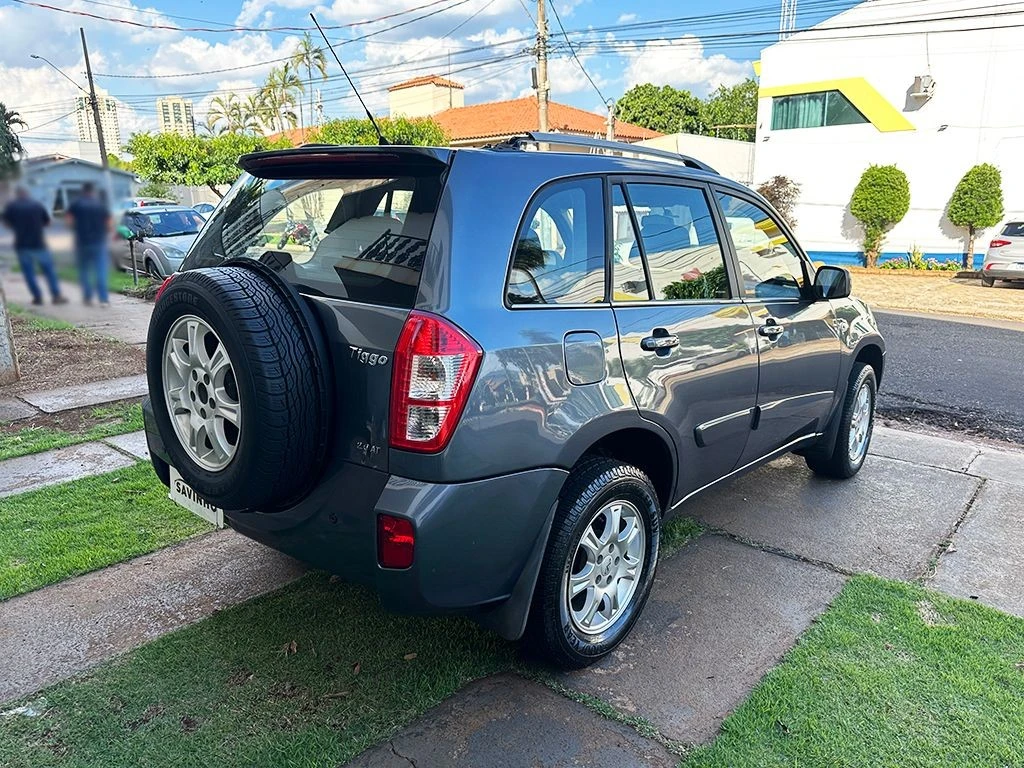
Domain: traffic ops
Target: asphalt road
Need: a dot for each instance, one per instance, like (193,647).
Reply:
(954,375)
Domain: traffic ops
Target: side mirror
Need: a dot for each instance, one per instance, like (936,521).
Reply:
(832,283)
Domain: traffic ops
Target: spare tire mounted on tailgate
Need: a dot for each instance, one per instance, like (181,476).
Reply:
(238,385)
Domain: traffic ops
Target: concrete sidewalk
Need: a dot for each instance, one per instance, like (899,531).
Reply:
(126,319)
(724,609)
(728,606)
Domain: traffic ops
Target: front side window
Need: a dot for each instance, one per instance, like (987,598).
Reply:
(814,110)
(770,266)
(684,256)
(559,255)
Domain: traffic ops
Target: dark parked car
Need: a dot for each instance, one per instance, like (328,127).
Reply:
(497,370)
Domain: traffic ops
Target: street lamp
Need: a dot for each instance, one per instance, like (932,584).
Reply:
(59,71)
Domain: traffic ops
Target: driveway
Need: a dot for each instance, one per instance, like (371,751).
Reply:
(953,374)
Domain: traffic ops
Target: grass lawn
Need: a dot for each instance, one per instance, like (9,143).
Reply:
(37,323)
(891,675)
(64,530)
(310,675)
(101,422)
(118,281)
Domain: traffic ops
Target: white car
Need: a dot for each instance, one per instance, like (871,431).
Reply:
(1005,257)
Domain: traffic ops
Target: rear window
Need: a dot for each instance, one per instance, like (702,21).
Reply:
(362,239)
(1014,229)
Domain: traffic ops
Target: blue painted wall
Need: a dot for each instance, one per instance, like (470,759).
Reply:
(856,258)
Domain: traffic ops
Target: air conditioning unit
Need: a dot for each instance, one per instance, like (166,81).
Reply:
(924,87)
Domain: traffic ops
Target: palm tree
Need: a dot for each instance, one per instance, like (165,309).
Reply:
(11,150)
(279,95)
(310,57)
(223,109)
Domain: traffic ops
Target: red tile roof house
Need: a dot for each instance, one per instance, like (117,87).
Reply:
(441,99)
(479,124)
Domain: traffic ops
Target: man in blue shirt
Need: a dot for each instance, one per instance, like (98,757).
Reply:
(90,221)
(26,217)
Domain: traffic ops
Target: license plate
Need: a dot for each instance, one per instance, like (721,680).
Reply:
(1017,265)
(183,494)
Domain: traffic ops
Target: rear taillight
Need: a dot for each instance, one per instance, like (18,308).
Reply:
(163,287)
(434,367)
(998,243)
(396,542)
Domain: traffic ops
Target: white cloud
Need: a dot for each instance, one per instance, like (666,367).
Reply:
(625,18)
(681,63)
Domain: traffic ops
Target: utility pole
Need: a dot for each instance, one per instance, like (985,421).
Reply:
(95,104)
(107,181)
(543,88)
(610,121)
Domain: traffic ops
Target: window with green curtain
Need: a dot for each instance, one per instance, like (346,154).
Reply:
(814,110)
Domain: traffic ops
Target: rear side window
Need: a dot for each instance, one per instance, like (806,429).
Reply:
(559,253)
(1014,229)
(363,239)
(684,256)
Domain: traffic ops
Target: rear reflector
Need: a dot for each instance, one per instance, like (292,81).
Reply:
(997,243)
(163,287)
(396,542)
(434,367)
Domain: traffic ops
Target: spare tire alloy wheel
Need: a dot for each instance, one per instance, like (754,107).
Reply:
(238,385)
(201,393)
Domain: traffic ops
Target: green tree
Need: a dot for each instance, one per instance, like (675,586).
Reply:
(665,109)
(977,203)
(309,57)
(122,165)
(735,106)
(422,132)
(11,150)
(159,189)
(880,201)
(280,94)
(232,114)
(192,161)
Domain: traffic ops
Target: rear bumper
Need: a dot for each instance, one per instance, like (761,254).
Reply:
(1000,272)
(478,543)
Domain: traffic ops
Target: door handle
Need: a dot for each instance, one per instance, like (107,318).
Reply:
(771,329)
(659,343)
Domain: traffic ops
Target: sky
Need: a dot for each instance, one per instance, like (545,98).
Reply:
(195,48)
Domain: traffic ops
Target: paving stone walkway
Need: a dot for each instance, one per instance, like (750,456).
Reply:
(126,319)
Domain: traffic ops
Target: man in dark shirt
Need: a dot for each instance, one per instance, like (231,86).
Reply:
(90,221)
(26,217)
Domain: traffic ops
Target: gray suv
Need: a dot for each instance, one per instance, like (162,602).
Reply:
(484,384)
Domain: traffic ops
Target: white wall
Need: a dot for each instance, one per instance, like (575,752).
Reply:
(975,116)
(424,100)
(729,157)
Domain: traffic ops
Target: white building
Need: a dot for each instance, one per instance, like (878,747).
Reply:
(729,157)
(175,115)
(931,86)
(108,122)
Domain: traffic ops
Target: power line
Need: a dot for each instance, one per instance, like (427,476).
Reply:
(283,58)
(573,52)
(222,28)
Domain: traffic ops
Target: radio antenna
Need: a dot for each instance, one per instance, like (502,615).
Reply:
(380,136)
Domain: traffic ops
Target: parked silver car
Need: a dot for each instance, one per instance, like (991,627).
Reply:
(162,234)
(1005,257)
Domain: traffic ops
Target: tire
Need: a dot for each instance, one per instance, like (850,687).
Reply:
(988,282)
(153,270)
(844,461)
(592,489)
(274,381)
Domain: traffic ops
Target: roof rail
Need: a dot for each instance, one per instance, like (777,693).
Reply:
(573,140)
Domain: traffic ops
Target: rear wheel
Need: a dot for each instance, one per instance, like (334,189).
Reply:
(988,282)
(856,425)
(153,269)
(599,565)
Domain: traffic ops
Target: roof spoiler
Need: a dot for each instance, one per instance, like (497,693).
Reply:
(334,161)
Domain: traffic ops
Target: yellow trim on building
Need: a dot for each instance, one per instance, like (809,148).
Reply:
(873,105)
(757,67)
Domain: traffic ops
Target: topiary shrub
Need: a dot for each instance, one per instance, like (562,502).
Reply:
(977,203)
(880,201)
(782,192)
